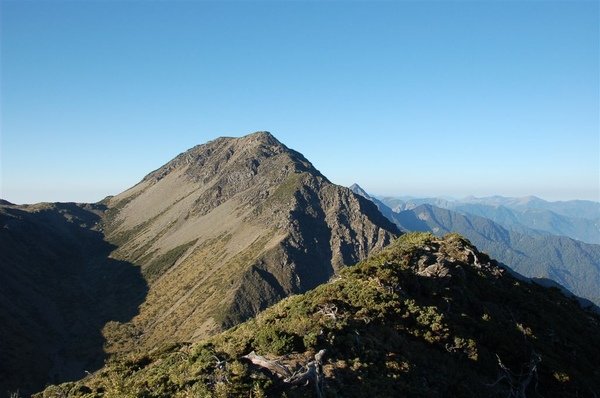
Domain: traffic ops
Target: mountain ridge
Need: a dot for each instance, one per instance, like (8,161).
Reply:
(237,184)
(212,237)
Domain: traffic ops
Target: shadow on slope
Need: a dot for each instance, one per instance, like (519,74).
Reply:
(302,262)
(59,289)
(583,302)
(426,317)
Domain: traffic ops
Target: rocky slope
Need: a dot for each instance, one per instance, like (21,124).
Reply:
(426,317)
(204,242)
(235,225)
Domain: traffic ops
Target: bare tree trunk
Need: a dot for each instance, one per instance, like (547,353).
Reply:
(312,372)
(274,366)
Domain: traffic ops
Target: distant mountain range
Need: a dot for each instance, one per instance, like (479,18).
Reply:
(577,219)
(534,253)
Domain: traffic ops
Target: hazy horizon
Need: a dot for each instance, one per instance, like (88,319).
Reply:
(76,196)
(407,98)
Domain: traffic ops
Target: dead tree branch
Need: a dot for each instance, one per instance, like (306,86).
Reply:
(312,372)
(273,366)
(518,383)
(329,310)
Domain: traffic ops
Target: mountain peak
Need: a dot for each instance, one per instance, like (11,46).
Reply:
(250,197)
(234,155)
(357,189)
(257,138)
(263,135)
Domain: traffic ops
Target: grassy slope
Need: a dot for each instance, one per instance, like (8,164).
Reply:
(395,333)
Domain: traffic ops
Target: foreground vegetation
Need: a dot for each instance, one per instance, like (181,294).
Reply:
(426,317)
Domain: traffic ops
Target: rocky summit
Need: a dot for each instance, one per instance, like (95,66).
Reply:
(203,243)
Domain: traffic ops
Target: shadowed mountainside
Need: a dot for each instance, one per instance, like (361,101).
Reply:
(59,289)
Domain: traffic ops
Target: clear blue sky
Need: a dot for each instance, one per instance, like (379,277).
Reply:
(405,98)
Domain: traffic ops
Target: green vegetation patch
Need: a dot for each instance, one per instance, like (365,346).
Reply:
(388,330)
(158,267)
(287,188)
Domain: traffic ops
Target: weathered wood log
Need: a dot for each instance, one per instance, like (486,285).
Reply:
(319,356)
(311,372)
(303,377)
(273,366)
